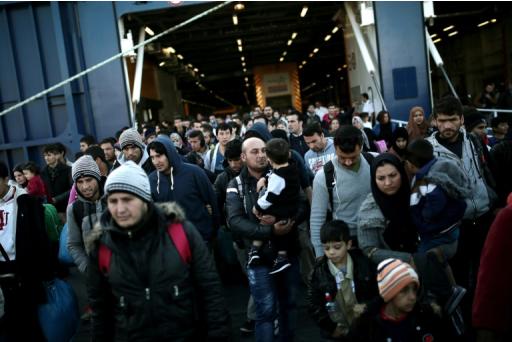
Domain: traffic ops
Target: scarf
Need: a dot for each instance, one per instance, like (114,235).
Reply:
(399,233)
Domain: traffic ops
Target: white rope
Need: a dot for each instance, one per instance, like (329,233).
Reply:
(121,54)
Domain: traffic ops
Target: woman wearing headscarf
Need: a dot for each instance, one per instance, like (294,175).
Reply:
(417,127)
(385,127)
(385,229)
(399,142)
(368,137)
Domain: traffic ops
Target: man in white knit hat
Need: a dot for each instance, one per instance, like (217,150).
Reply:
(150,275)
(133,149)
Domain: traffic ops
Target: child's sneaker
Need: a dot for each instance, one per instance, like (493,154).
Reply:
(280,264)
(253,259)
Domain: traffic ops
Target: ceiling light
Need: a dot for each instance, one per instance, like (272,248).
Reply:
(247,85)
(161,64)
(328,75)
(434,35)
(196,69)
(339,69)
(311,55)
(334,30)
(448,28)
(281,59)
(239,41)
(168,50)
(304,11)
(190,66)
(239,6)
(294,34)
(344,66)
(179,56)
(235,19)
(202,75)
(284,53)
(327,37)
(289,42)
(149,31)
(243,64)
(483,24)
(315,50)
(300,66)
(245,70)
(453,33)
(437,40)
(493,20)
(246,79)
(304,62)
(242,58)
(240,48)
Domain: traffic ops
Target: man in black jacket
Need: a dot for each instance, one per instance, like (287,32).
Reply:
(25,261)
(147,289)
(56,177)
(267,290)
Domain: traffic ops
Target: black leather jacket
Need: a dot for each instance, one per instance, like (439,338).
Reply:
(242,221)
(322,281)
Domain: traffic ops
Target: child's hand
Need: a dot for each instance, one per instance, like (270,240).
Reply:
(261,183)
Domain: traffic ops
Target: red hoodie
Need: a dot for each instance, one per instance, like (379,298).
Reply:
(36,187)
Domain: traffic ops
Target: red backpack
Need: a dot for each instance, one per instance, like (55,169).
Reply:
(177,235)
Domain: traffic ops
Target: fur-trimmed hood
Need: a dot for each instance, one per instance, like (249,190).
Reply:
(447,175)
(170,211)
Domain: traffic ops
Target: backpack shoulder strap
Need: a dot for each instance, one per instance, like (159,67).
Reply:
(241,191)
(180,240)
(369,157)
(78,212)
(104,256)
(329,179)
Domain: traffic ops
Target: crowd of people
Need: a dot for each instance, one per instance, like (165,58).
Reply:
(399,233)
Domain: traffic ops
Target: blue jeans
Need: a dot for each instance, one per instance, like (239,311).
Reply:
(275,294)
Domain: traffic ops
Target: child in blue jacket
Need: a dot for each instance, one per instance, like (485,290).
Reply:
(439,188)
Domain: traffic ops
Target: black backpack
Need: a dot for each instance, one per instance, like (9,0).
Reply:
(329,179)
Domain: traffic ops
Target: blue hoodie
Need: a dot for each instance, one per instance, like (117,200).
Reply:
(189,186)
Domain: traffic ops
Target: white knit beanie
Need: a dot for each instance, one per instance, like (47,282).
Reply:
(131,137)
(85,166)
(129,178)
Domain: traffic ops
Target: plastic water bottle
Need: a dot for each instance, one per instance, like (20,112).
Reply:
(333,309)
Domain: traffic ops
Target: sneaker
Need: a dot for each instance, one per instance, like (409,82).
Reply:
(457,322)
(280,264)
(453,302)
(247,327)
(253,258)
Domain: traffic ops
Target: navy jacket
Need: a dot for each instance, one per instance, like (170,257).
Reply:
(437,201)
(190,187)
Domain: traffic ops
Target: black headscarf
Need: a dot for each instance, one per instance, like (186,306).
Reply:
(400,132)
(400,234)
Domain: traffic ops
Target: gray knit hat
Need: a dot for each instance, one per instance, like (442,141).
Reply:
(129,178)
(131,137)
(85,166)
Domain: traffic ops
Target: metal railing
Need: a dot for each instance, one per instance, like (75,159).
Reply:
(495,111)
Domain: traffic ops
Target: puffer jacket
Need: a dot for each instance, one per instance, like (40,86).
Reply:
(322,281)
(438,199)
(422,324)
(149,293)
